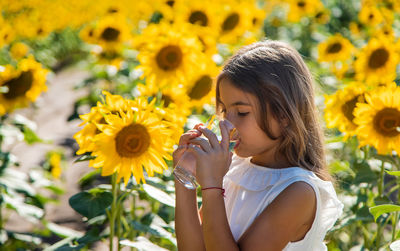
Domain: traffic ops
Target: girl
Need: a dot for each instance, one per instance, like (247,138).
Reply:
(274,192)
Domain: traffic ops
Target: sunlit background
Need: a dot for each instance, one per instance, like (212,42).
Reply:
(94,96)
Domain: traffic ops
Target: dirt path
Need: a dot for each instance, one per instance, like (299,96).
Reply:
(54,107)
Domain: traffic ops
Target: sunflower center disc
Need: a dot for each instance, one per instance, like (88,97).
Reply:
(378,58)
(386,122)
(301,4)
(201,88)
(167,100)
(334,48)
(348,107)
(19,86)
(230,22)
(110,34)
(198,17)
(132,141)
(169,57)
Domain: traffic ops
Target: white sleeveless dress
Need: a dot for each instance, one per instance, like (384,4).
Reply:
(250,188)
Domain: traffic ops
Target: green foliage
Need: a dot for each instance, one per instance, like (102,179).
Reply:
(91,203)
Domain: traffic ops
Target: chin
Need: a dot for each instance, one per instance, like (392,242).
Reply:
(241,154)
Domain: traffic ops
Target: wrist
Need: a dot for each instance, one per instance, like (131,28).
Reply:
(181,189)
(221,190)
(211,183)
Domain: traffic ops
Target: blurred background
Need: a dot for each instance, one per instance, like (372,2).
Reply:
(94,97)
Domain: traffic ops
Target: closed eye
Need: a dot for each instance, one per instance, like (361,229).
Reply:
(243,113)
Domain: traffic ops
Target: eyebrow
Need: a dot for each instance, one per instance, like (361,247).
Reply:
(237,103)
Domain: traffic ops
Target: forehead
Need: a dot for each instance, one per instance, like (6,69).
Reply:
(229,94)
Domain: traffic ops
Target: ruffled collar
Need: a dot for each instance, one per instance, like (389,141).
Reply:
(256,178)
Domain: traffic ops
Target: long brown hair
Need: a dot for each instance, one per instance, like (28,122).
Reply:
(276,74)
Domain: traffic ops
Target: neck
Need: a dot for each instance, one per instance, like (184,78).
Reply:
(270,161)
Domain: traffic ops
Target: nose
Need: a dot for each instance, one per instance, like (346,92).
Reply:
(229,117)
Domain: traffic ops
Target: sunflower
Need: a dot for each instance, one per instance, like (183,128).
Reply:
(235,20)
(378,119)
(111,104)
(168,54)
(55,164)
(370,15)
(24,84)
(201,87)
(385,32)
(377,62)
(322,16)
(112,31)
(19,50)
(335,48)
(7,34)
(356,29)
(174,115)
(130,141)
(172,96)
(302,8)
(339,108)
(87,33)
(84,137)
(199,13)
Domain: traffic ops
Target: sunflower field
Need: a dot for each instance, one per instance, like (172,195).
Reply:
(143,73)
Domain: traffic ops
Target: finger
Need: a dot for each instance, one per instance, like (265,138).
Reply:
(180,149)
(197,125)
(210,136)
(188,135)
(224,134)
(201,142)
(197,151)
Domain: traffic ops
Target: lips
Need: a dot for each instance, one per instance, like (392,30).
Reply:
(237,144)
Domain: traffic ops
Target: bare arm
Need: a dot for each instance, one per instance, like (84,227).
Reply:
(216,230)
(187,220)
(287,219)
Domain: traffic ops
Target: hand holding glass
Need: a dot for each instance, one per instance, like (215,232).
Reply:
(185,169)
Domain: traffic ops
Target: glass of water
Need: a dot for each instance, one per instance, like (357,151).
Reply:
(185,169)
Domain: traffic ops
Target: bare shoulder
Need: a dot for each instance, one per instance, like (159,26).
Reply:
(297,203)
(287,219)
(297,192)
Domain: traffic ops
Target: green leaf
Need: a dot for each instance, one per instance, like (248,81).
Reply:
(91,203)
(395,245)
(84,158)
(381,200)
(395,173)
(30,136)
(159,195)
(364,174)
(142,244)
(89,177)
(63,231)
(377,211)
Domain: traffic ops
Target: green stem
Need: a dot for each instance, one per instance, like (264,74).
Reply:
(118,218)
(113,209)
(381,179)
(133,218)
(380,194)
(1,209)
(394,224)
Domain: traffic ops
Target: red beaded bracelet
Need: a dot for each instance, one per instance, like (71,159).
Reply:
(222,190)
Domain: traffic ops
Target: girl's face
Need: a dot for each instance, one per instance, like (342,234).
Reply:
(241,109)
